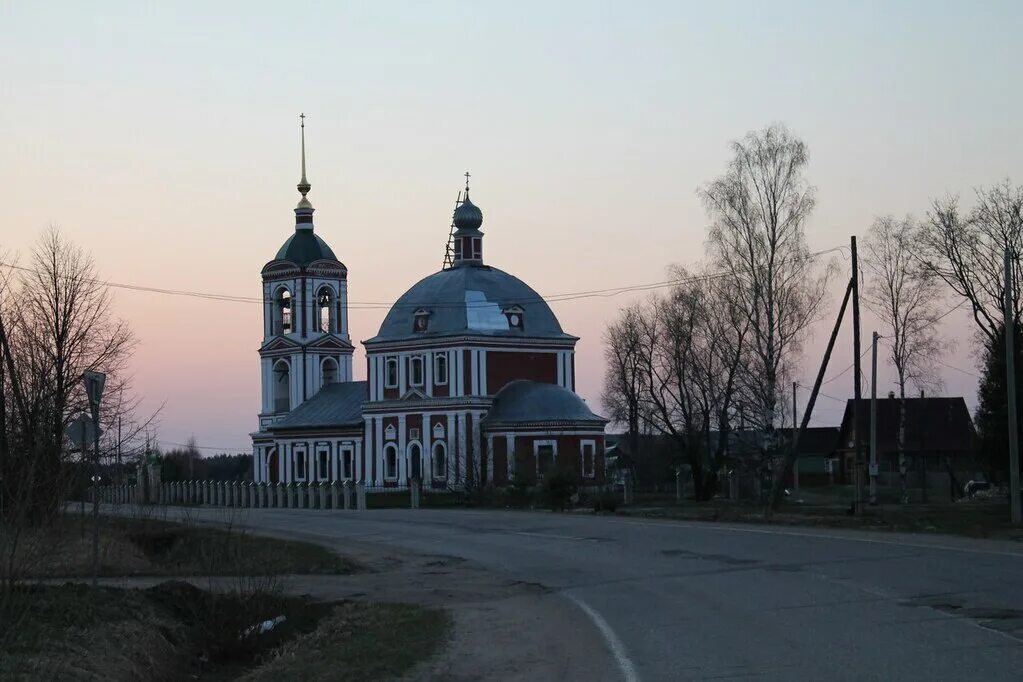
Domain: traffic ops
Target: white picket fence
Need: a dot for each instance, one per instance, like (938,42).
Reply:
(237,494)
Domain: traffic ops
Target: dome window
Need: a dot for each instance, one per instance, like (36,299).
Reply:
(421,321)
(514,316)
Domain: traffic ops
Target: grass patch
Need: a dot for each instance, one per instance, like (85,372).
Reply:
(153,547)
(360,641)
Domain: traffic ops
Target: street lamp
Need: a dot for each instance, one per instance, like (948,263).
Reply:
(94,382)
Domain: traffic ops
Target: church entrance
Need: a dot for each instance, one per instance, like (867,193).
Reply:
(272,469)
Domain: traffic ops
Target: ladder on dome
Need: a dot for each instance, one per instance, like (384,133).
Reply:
(449,248)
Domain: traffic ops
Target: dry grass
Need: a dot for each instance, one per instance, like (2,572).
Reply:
(154,547)
(359,642)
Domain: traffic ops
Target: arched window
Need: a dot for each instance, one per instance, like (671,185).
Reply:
(325,309)
(416,370)
(390,461)
(440,460)
(415,461)
(282,312)
(282,386)
(329,371)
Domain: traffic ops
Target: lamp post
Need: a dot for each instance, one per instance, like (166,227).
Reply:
(94,382)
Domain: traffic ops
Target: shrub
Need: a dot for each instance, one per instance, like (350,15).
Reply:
(520,493)
(559,485)
(605,500)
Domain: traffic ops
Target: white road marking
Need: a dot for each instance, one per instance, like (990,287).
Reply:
(615,644)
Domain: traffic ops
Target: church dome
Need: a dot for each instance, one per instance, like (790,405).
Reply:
(468,216)
(478,301)
(531,402)
(304,247)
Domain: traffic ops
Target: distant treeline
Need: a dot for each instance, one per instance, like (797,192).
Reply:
(187,465)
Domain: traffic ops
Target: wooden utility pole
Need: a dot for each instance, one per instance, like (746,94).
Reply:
(1010,380)
(857,387)
(779,481)
(873,420)
(795,464)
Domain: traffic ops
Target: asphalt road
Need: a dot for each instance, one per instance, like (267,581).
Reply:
(688,601)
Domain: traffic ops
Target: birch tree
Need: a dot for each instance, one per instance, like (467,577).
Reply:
(758,209)
(904,296)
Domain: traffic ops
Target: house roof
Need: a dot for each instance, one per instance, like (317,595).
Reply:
(523,401)
(334,405)
(933,425)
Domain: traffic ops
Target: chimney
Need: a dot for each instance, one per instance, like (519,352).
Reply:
(891,395)
(921,393)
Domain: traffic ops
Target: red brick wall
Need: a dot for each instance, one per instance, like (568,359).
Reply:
(500,459)
(504,367)
(569,456)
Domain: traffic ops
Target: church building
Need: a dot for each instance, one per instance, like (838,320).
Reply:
(470,378)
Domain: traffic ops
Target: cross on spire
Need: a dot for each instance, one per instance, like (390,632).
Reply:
(303,184)
(467,176)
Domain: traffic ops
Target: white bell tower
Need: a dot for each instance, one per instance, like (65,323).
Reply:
(306,342)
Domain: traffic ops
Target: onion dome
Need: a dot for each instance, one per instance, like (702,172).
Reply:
(468,216)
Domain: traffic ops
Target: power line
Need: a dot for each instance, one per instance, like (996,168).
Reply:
(964,371)
(373,305)
(204,447)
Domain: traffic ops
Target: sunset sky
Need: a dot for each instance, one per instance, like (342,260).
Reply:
(163,137)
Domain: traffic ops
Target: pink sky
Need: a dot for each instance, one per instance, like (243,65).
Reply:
(166,141)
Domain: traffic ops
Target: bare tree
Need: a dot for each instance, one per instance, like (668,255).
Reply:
(688,350)
(904,296)
(623,378)
(56,321)
(966,251)
(759,207)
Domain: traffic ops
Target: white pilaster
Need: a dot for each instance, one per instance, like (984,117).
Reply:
(451,452)
(459,375)
(509,447)
(460,426)
(490,459)
(483,373)
(378,452)
(402,455)
(474,361)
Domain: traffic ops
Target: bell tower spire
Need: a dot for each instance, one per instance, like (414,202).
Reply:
(304,210)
